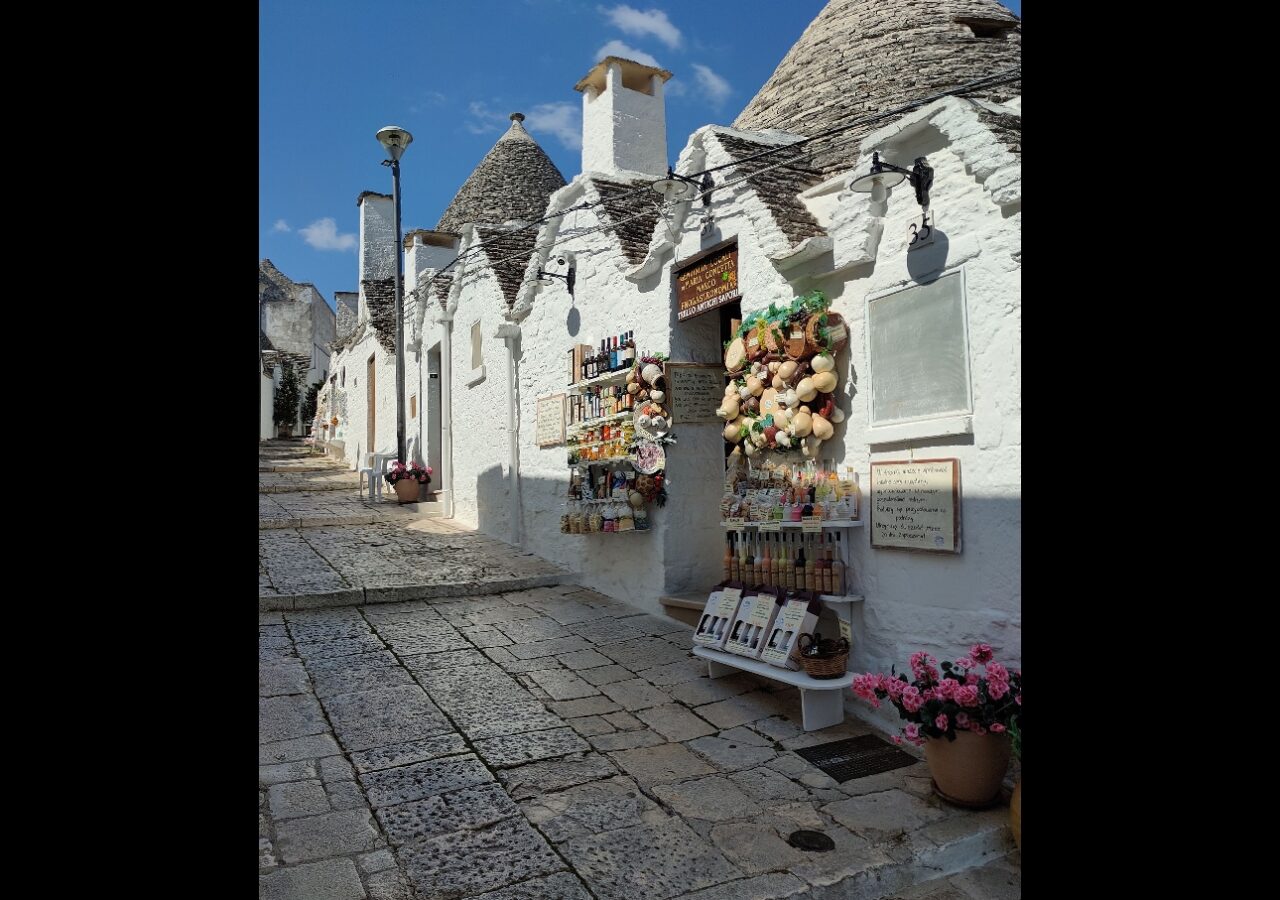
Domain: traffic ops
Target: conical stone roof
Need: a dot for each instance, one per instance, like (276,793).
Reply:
(866,56)
(513,182)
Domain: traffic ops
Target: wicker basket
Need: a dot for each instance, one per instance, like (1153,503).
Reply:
(829,664)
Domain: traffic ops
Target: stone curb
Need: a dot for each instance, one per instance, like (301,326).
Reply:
(306,488)
(400,593)
(326,521)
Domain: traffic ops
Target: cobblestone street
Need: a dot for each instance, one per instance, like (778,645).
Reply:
(550,742)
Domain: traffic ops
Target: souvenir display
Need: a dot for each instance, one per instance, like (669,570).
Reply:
(782,492)
(783,364)
(619,424)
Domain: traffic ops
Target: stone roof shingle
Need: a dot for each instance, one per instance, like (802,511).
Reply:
(508,252)
(776,184)
(629,213)
(512,183)
(867,56)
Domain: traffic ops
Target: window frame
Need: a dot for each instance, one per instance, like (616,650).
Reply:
(932,425)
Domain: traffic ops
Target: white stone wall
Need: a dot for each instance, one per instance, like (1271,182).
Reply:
(624,130)
(377,238)
(267,409)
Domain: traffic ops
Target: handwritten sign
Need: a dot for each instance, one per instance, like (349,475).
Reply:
(709,282)
(696,389)
(550,420)
(915,505)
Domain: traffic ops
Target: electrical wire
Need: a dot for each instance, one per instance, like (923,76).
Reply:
(986,81)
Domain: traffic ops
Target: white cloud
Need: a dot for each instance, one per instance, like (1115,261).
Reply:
(640,23)
(323,235)
(483,120)
(427,100)
(617,48)
(563,120)
(715,88)
(281,225)
(675,87)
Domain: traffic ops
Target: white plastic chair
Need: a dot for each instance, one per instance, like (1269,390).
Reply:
(374,468)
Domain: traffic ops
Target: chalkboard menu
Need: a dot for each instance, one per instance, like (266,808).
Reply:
(915,505)
(696,389)
(551,420)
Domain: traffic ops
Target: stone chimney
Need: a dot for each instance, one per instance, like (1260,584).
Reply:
(377,236)
(348,303)
(427,250)
(624,120)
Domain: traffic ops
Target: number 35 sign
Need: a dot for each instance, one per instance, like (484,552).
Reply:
(921,233)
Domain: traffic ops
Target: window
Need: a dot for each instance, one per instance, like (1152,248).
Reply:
(477,357)
(918,349)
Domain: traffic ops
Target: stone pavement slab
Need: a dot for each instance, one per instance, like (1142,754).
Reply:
(513,744)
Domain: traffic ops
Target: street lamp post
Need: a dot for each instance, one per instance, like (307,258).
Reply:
(396,140)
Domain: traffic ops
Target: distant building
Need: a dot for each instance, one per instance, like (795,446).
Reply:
(295,326)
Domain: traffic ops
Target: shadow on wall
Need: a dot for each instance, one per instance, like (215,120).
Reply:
(928,261)
(493,506)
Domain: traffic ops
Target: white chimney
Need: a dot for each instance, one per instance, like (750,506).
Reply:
(624,120)
(377,236)
(424,250)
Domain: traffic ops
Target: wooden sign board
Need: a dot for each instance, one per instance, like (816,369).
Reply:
(915,505)
(710,281)
(551,420)
(696,391)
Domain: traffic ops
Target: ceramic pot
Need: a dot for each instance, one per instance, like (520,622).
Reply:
(1015,814)
(969,770)
(407,490)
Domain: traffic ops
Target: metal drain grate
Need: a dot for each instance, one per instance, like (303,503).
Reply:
(856,757)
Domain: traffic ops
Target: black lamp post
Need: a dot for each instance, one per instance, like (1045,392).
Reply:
(396,140)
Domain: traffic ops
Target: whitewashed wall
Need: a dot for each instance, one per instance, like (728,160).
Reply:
(267,394)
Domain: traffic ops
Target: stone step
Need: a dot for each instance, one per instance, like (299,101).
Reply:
(686,607)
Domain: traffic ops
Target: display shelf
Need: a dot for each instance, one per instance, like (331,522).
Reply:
(607,378)
(620,500)
(777,673)
(601,420)
(605,459)
(826,523)
(610,533)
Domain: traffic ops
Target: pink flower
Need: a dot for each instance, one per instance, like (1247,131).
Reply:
(967,695)
(897,740)
(864,686)
(947,688)
(977,728)
(997,689)
(962,720)
(930,694)
(981,653)
(997,672)
(965,662)
(911,700)
(912,731)
(922,666)
(996,727)
(972,678)
(941,722)
(893,687)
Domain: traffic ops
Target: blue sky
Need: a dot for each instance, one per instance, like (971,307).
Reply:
(332,72)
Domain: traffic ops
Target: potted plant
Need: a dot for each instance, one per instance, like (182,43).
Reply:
(408,480)
(959,716)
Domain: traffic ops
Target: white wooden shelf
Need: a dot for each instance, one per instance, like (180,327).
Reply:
(826,523)
(606,378)
(588,424)
(821,699)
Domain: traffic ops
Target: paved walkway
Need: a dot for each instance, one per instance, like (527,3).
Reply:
(328,547)
(555,744)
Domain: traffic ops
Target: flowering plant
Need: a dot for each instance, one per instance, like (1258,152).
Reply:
(956,699)
(414,470)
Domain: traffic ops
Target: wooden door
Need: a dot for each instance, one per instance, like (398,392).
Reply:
(370,406)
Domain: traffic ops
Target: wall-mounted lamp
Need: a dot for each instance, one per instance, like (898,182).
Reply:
(885,175)
(675,187)
(569,277)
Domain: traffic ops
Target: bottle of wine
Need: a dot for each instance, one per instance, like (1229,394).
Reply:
(735,573)
(728,556)
(799,576)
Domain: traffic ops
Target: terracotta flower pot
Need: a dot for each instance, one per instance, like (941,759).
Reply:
(969,770)
(1015,814)
(407,490)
